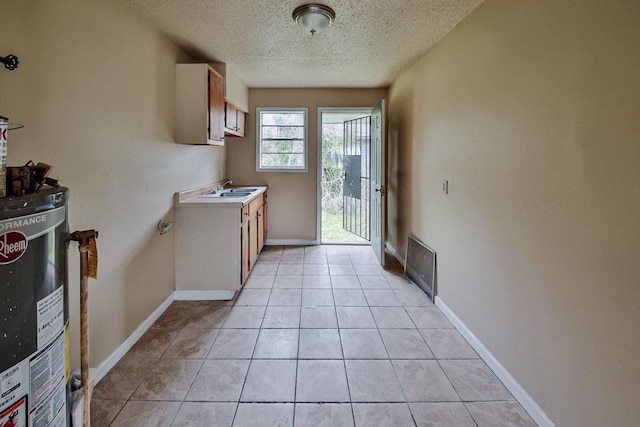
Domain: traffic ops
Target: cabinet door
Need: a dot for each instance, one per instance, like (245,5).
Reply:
(266,216)
(235,120)
(244,257)
(241,123)
(253,241)
(231,117)
(261,227)
(216,107)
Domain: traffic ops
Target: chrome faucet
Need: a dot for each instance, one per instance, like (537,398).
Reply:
(219,188)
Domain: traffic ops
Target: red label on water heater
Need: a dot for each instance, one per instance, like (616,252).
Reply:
(13,244)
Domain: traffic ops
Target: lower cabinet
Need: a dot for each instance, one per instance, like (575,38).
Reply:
(217,245)
(253,232)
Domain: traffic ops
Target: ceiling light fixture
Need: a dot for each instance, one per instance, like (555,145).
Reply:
(313,18)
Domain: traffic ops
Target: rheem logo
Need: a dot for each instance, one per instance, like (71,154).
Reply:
(13,244)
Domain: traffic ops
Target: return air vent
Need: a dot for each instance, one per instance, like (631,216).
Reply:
(420,266)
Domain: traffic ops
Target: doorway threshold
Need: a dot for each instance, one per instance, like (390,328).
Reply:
(346,243)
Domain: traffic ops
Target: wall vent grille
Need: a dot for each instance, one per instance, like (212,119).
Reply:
(420,266)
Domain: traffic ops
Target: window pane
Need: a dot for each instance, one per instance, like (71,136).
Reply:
(275,146)
(275,132)
(285,161)
(298,146)
(282,118)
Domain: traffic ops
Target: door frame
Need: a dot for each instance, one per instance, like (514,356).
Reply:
(319,163)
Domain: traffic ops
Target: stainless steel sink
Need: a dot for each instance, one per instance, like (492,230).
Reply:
(225,194)
(232,192)
(235,194)
(243,190)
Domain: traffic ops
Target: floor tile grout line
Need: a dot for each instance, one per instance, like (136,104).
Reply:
(295,384)
(246,376)
(275,402)
(344,365)
(118,413)
(406,401)
(144,378)
(297,359)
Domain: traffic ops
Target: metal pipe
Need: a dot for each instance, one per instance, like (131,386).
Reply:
(84,241)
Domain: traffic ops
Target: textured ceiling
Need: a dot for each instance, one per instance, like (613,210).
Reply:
(369,44)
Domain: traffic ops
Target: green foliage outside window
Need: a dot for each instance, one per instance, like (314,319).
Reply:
(332,141)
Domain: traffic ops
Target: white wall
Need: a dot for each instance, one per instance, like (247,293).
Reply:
(292,195)
(95,92)
(530,110)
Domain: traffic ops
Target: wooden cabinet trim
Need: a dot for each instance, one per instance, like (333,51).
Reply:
(216,106)
(255,204)
(244,253)
(235,120)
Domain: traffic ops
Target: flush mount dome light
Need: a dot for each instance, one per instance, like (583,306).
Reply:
(313,18)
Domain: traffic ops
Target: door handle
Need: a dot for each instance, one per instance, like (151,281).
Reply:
(382,190)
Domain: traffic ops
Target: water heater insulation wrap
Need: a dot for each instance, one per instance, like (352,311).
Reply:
(34,368)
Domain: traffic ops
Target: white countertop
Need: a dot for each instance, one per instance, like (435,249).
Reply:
(193,197)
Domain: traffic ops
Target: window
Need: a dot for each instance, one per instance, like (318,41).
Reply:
(281,139)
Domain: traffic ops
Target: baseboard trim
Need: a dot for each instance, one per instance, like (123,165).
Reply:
(104,367)
(393,251)
(521,395)
(290,242)
(203,295)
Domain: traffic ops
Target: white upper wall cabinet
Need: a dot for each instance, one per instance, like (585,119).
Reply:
(199,105)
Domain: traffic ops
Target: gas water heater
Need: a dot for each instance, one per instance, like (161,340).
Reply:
(34,310)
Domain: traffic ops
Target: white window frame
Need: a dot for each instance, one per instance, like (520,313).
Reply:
(259,111)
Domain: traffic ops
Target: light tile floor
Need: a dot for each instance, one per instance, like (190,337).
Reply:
(319,336)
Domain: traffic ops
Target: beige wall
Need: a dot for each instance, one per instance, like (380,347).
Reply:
(95,92)
(530,109)
(292,196)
